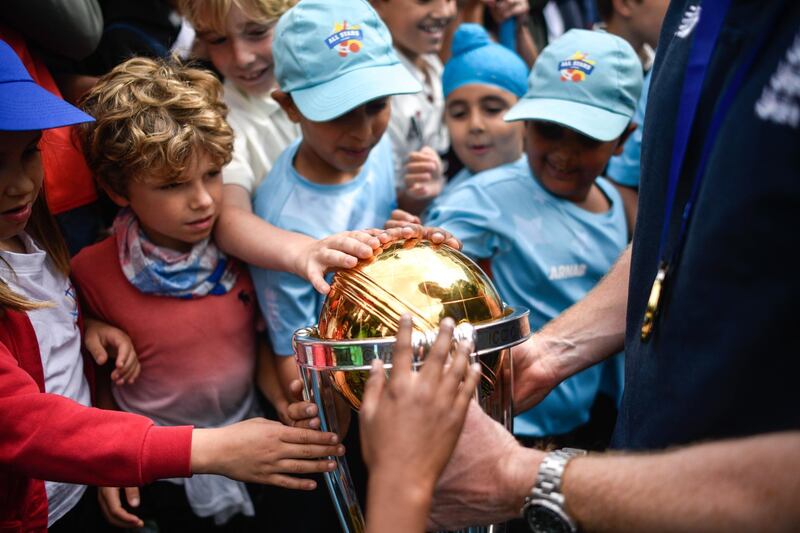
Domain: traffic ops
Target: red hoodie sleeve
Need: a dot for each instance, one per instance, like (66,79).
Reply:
(46,436)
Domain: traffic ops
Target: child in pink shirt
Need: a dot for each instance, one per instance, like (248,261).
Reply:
(157,148)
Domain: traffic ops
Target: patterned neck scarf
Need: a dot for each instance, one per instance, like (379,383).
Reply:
(152,269)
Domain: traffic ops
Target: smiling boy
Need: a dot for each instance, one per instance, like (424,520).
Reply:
(335,82)
(548,225)
(417,127)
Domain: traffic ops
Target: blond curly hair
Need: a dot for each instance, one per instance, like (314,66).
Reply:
(151,117)
(210,15)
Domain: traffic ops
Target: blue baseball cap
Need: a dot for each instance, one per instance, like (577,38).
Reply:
(24,105)
(588,81)
(477,59)
(335,55)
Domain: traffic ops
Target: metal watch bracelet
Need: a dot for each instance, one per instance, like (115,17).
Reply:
(546,492)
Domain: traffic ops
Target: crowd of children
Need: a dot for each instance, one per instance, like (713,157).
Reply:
(236,198)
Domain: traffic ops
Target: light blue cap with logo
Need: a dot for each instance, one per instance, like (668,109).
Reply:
(335,55)
(588,81)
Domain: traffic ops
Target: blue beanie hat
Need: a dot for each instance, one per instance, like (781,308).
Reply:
(476,59)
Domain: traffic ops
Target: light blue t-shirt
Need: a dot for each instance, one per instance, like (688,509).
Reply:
(546,254)
(288,200)
(625,168)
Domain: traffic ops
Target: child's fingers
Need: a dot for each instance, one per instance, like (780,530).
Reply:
(137,369)
(419,178)
(296,388)
(317,280)
(405,216)
(306,452)
(129,374)
(289,482)
(128,364)
(308,423)
(302,410)
(437,355)
(291,435)
(429,151)
(467,391)
(372,390)
(367,237)
(452,242)
(299,466)
(404,230)
(331,254)
(132,496)
(402,356)
(375,232)
(337,259)
(126,355)
(439,236)
(112,508)
(454,374)
(96,349)
(421,167)
(422,156)
(426,153)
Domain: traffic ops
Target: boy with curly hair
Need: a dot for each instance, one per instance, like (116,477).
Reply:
(157,148)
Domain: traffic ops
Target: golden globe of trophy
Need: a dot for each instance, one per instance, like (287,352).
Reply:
(358,322)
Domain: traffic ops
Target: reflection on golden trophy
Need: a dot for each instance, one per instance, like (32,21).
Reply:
(360,318)
(427,281)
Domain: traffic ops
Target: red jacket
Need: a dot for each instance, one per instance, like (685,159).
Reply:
(46,436)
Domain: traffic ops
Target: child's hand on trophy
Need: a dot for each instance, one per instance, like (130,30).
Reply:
(401,218)
(404,225)
(410,423)
(302,414)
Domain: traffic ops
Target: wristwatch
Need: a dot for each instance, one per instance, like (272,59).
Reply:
(544,507)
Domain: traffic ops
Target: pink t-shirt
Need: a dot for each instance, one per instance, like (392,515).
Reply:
(198,356)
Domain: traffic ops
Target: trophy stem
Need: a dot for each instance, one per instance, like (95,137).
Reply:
(339,482)
(340,487)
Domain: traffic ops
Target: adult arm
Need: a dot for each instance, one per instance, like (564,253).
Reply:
(630,201)
(746,484)
(584,334)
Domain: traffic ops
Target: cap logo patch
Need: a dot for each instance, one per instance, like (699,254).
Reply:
(576,67)
(345,39)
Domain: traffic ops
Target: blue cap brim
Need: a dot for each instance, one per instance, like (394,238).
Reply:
(26,106)
(334,98)
(595,122)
